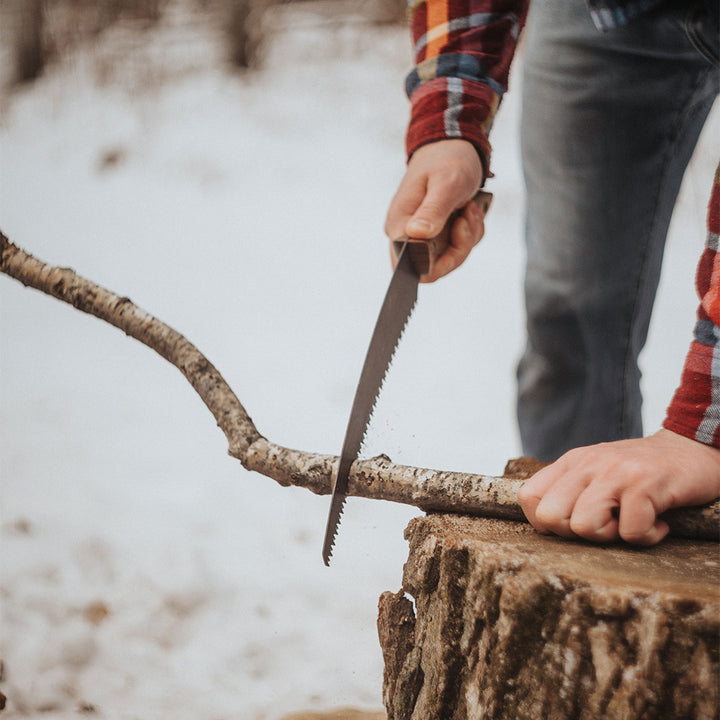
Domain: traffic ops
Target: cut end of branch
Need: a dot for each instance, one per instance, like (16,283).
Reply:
(5,245)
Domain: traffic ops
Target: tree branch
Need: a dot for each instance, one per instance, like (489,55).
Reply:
(377,478)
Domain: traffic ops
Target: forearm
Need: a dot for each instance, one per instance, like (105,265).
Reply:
(463,53)
(695,408)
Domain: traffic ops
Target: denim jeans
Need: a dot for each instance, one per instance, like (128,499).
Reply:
(609,123)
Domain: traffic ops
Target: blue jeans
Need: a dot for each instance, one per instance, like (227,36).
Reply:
(610,121)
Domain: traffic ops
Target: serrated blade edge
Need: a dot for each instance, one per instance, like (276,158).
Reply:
(395,311)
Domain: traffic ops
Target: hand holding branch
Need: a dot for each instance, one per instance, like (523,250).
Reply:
(620,490)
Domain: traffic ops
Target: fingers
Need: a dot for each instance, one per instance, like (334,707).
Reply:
(607,510)
(441,177)
(605,493)
(568,507)
(466,233)
(548,498)
(408,198)
(639,524)
(444,195)
(595,515)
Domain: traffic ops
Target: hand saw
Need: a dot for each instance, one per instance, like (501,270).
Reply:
(415,257)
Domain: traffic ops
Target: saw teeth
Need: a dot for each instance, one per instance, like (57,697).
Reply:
(382,382)
(400,298)
(331,545)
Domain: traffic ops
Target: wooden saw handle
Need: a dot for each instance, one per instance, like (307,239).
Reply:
(424,253)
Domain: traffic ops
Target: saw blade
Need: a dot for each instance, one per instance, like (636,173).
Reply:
(395,311)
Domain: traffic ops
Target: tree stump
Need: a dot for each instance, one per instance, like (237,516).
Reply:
(511,625)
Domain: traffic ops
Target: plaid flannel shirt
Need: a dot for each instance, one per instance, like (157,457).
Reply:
(463,51)
(695,408)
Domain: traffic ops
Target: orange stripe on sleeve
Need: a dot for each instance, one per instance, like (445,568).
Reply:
(437,26)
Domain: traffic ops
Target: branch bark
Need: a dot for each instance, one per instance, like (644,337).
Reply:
(377,478)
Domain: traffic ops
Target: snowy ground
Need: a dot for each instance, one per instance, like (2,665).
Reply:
(144,573)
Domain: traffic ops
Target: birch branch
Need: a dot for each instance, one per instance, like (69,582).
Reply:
(377,478)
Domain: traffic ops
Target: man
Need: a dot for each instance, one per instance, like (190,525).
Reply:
(615,95)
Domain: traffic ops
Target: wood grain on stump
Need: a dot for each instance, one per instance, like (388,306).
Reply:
(506,624)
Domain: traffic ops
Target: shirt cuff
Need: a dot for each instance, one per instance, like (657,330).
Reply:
(452,108)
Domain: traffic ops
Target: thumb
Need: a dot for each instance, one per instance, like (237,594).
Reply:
(437,206)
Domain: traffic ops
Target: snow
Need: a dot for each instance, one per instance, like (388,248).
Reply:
(144,573)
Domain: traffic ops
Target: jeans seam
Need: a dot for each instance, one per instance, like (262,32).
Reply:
(672,139)
(696,40)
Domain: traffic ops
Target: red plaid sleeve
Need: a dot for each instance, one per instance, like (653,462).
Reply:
(463,50)
(695,408)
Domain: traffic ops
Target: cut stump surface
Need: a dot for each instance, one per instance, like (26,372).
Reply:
(507,624)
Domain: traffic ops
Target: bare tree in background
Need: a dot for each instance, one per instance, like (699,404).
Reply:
(388,11)
(36,30)
(244,31)
(29,45)
(244,24)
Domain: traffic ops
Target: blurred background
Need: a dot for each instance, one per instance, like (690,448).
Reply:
(37,31)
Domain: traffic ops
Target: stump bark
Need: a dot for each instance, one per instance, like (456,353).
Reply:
(506,624)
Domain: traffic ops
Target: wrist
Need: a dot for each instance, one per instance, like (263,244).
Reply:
(708,455)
